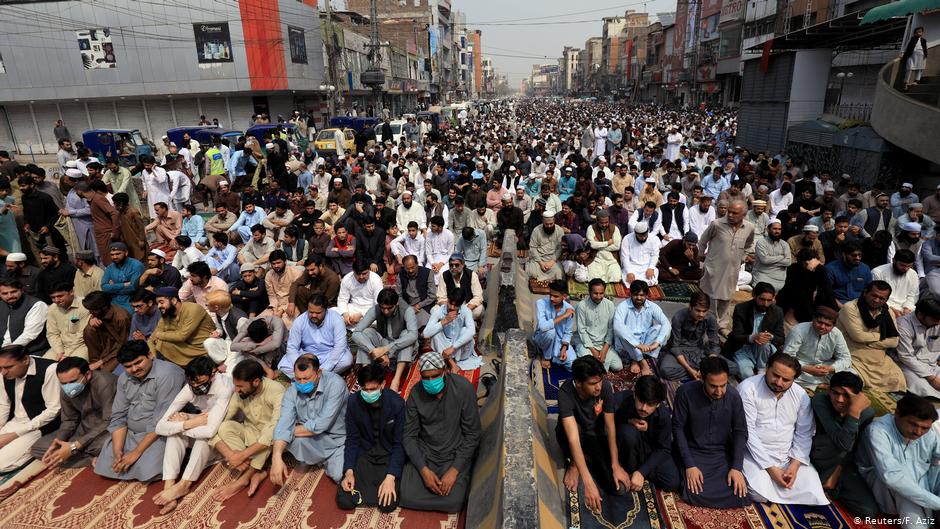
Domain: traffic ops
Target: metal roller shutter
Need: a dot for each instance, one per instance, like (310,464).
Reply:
(161,119)
(131,116)
(187,113)
(214,107)
(46,116)
(6,138)
(102,115)
(73,114)
(242,110)
(22,122)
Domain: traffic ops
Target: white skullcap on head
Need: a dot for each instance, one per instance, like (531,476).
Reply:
(548,215)
(16,257)
(641,227)
(71,164)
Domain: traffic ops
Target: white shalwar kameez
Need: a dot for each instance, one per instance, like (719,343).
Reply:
(779,430)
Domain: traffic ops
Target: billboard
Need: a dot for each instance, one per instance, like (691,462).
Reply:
(298,45)
(710,27)
(96,48)
(213,43)
(731,10)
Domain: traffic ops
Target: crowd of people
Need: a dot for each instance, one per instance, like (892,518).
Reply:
(152,294)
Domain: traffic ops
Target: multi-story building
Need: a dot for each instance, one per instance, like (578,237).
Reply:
(423,27)
(153,66)
(570,70)
(618,52)
(591,58)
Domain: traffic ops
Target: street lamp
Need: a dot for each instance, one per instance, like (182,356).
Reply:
(842,76)
(331,103)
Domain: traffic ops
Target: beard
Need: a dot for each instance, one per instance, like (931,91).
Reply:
(548,231)
(168,313)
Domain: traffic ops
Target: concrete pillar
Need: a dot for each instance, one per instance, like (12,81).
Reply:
(519,491)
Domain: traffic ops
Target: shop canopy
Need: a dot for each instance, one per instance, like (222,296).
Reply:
(902,8)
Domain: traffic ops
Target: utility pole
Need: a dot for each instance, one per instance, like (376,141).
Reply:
(330,43)
(374,77)
(456,67)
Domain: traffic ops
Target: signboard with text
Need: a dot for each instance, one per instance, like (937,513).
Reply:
(731,10)
(213,42)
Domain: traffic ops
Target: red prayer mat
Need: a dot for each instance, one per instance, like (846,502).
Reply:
(78,498)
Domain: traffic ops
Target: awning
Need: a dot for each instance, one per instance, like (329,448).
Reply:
(898,9)
(844,33)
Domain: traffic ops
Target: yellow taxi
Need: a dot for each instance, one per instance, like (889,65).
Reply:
(326,139)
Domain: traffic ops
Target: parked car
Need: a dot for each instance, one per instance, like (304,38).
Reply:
(326,139)
(396,131)
(127,145)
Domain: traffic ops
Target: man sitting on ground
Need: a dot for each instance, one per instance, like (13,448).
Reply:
(417,288)
(85,412)
(757,330)
(246,444)
(107,331)
(644,436)
(554,321)
(870,332)
(312,424)
(374,455)
(358,292)
(185,330)
(29,406)
(919,349)
(640,329)
(205,395)
(594,318)
(441,435)
(694,337)
(392,342)
(321,332)
(819,347)
(587,434)
(842,414)
(262,339)
(145,390)
(452,333)
(896,458)
(456,277)
(710,428)
(780,436)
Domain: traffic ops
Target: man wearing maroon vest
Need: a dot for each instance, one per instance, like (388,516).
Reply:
(29,404)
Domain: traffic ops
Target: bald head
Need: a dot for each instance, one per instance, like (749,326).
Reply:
(736,211)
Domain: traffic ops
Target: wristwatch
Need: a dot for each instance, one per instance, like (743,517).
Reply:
(73,447)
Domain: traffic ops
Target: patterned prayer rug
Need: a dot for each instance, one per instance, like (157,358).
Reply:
(778,516)
(680,515)
(679,292)
(409,379)
(78,498)
(548,381)
(634,509)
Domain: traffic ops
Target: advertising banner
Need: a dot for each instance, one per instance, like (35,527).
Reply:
(298,45)
(213,42)
(96,48)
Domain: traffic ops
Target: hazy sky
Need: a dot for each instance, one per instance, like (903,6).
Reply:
(542,28)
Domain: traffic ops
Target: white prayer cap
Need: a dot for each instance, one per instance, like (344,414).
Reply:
(158,253)
(406,192)
(512,167)
(507,196)
(641,227)
(650,180)
(74,173)
(907,185)
(538,158)
(522,187)
(811,228)
(774,220)
(340,180)
(913,227)
(71,164)
(268,145)
(548,215)
(16,257)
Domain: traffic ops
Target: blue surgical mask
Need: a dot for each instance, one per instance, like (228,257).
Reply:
(370,397)
(73,389)
(305,388)
(433,386)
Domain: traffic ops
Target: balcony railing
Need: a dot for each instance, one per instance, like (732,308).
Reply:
(856,111)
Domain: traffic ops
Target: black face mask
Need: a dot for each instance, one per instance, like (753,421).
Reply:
(201,389)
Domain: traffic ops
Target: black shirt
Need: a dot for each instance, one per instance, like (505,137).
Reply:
(587,413)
